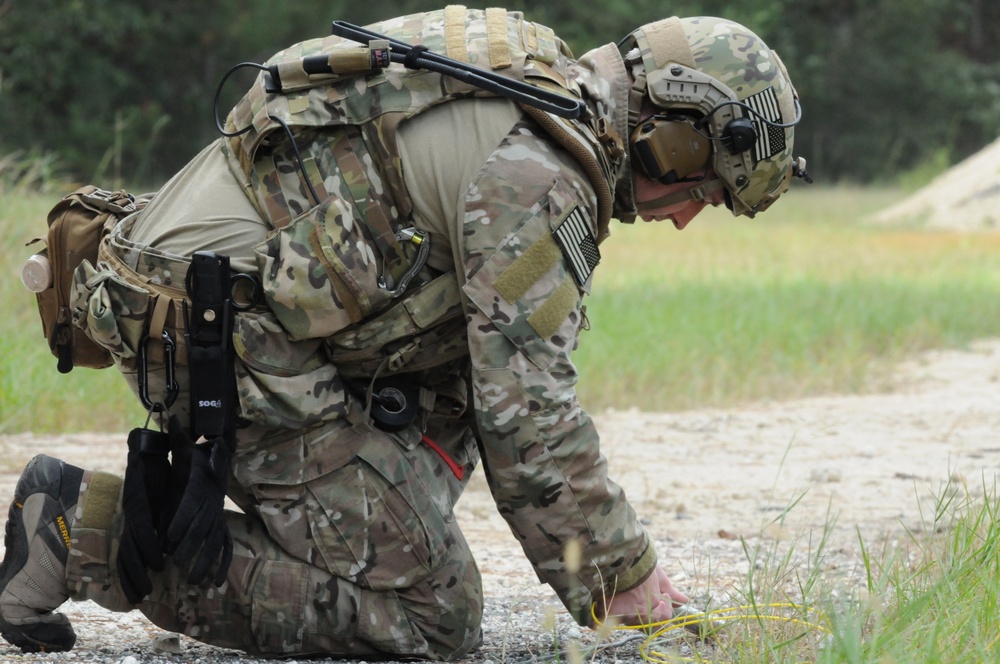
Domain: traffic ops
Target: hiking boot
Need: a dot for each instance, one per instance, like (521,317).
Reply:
(33,572)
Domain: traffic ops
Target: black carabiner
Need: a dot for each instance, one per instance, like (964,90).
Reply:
(172,388)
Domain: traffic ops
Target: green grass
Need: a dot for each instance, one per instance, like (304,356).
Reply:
(806,299)
(930,598)
(930,595)
(34,396)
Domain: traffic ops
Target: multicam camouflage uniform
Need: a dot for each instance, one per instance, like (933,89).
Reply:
(349,543)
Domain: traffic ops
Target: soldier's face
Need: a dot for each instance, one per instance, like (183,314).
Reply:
(647,192)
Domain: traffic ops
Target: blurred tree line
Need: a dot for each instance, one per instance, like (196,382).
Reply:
(122,90)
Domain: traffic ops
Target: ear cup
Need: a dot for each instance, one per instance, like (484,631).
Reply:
(670,148)
(739,135)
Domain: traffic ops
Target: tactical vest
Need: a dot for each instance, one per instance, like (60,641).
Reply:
(340,129)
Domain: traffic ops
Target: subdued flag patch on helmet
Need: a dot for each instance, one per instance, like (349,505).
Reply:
(578,245)
(770,139)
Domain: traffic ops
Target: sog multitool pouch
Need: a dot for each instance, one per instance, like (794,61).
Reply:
(77,224)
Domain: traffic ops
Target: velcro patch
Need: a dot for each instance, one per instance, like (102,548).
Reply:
(578,245)
(528,268)
(545,320)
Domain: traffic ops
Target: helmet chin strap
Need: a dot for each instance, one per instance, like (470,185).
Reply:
(700,192)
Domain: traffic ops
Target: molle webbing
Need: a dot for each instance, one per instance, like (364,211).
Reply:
(148,269)
(498,42)
(338,163)
(422,330)
(520,49)
(379,103)
(351,154)
(349,299)
(531,36)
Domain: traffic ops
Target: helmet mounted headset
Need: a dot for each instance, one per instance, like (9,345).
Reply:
(699,120)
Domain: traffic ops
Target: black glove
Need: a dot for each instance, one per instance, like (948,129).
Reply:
(147,474)
(199,526)
(180,470)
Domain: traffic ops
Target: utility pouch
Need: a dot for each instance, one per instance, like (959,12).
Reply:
(77,224)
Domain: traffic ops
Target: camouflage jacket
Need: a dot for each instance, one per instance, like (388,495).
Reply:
(530,230)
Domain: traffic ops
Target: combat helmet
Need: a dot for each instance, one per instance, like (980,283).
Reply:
(721,96)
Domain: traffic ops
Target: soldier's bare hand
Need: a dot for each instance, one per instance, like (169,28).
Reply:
(651,601)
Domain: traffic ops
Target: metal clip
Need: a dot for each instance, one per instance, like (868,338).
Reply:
(172,388)
(423,242)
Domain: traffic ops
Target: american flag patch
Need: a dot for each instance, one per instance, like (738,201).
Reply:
(770,139)
(578,245)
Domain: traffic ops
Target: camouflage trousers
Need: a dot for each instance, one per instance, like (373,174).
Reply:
(347,545)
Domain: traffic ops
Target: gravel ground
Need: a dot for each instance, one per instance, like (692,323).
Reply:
(523,620)
(513,634)
(703,482)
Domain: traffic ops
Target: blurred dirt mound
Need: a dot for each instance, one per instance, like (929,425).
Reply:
(966,197)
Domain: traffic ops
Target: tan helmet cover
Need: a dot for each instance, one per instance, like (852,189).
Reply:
(704,64)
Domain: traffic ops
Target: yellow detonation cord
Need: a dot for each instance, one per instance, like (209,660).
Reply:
(707,623)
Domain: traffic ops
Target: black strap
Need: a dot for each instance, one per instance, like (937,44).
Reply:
(412,59)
